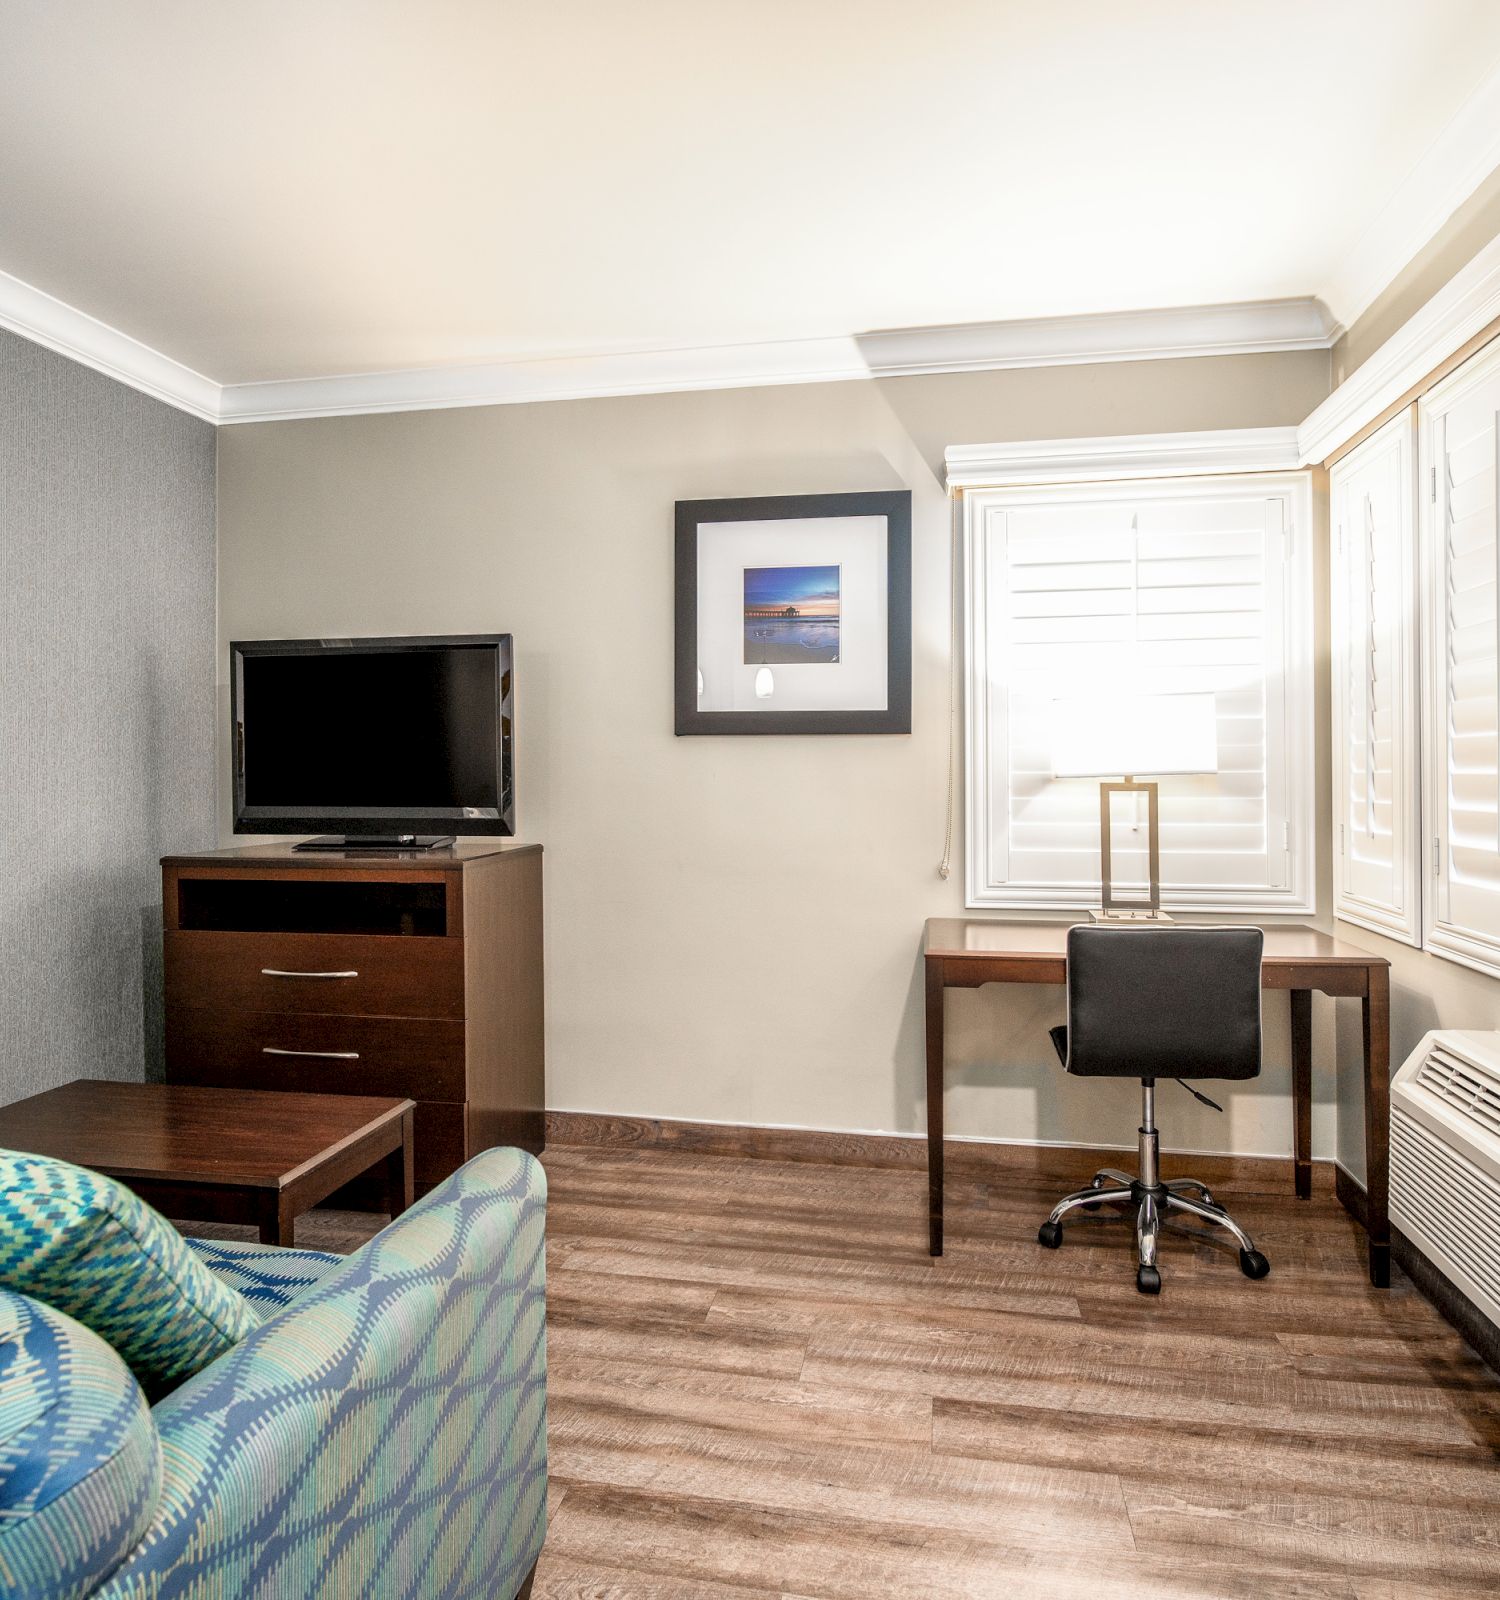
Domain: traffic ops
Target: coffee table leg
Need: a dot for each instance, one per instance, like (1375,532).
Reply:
(276,1220)
(398,1173)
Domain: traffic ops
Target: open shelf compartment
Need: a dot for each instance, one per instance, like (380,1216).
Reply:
(290,905)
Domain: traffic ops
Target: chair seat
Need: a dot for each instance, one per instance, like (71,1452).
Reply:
(1059,1038)
(268,1277)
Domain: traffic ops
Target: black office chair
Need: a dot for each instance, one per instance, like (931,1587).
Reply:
(1149,1003)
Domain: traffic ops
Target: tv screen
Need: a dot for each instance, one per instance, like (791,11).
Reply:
(373,736)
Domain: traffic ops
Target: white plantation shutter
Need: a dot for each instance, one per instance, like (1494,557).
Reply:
(1184,585)
(1376,844)
(1460,422)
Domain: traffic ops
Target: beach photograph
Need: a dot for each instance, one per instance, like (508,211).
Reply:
(791,615)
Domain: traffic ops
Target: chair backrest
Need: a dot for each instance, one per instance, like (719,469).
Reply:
(1164,1002)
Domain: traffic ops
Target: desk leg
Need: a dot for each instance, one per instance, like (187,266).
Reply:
(934,1107)
(1302,1089)
(1376,1006)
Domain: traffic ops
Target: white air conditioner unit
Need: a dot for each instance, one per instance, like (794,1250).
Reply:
(1445,1159)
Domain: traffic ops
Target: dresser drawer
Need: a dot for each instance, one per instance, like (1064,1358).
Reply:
(344,974)
(419,1058)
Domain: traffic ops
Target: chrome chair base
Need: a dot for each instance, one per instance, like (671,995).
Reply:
(1153,1201)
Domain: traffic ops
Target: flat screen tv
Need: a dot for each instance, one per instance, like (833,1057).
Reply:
(386,743)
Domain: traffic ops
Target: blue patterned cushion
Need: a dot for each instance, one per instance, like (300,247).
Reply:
(80,1463)
(88,1246)
(386,1435)
(267,1277)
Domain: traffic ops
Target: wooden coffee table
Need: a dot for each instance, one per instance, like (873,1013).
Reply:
(222,1155)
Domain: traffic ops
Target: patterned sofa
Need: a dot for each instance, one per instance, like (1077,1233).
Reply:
(383,1433)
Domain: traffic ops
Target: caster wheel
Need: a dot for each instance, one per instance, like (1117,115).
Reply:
(1253,1264)
(1148,1280)
(1050,1234)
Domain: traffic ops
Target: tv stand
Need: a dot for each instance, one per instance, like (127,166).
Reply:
(377,841)
(406,975)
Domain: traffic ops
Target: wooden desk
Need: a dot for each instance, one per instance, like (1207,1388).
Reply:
(963,953)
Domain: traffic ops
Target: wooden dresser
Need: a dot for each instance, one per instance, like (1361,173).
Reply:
(416,975)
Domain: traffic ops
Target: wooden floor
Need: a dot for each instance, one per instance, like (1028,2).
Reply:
(760,1386)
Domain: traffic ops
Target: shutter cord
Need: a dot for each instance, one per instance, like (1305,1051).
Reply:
(945,866)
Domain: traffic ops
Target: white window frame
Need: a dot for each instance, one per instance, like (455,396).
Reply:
(1446,936)
(1296,895)
(1393,447)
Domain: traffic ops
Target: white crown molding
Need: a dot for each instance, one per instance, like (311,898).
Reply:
(45,320)
(572,377)
(1451,168)
(1053,341)
(1139,455)
(1463,307)
(1245,328)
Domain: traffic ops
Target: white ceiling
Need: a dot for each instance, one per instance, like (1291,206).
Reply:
(271,190)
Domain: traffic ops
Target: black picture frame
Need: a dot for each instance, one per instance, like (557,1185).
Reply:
(892,504)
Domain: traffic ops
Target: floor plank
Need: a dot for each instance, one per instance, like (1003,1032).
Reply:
(1252,1453)
(1339,1535)
(741,1406)
(819,1556)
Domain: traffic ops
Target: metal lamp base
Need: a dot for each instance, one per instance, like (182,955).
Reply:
(1114,909)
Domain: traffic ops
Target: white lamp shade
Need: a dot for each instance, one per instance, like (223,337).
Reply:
(1147,735)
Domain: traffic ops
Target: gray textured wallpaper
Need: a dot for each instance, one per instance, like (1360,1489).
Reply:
(106,708)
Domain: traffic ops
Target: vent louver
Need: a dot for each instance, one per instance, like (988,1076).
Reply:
(1469,1089)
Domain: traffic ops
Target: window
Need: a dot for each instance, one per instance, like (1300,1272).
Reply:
(1376,877)
(1460,419)
(1160,586)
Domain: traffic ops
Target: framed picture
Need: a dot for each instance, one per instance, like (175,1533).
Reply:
(794,614)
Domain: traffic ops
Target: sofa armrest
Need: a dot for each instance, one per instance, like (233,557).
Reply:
(385,1434)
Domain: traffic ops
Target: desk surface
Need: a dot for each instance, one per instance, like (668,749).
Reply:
(956,937)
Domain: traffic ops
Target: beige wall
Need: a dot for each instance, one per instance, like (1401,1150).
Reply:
(733,923)
(1426,992)
(1259,391)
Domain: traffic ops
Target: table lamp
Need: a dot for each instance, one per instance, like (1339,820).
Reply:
(1105,736)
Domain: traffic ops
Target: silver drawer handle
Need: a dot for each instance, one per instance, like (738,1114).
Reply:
(327,1055)
(276,972)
